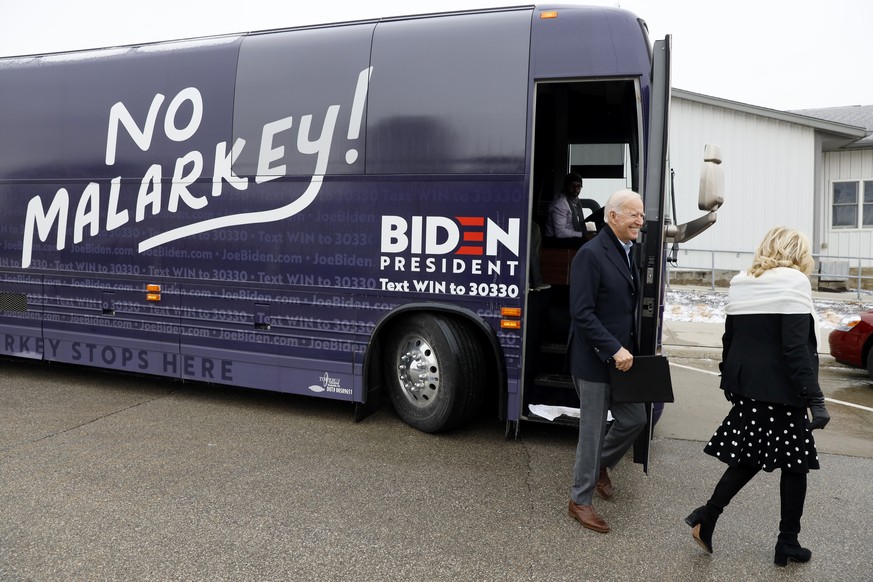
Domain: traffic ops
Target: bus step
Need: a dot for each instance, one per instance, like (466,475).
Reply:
(554,381)
(554,348)
(561,420)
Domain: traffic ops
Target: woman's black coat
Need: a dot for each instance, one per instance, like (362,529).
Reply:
(770,358)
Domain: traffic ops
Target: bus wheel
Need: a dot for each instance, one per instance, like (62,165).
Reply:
(435,372)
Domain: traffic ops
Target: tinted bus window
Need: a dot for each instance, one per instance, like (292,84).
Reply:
(466,110)
(58,106)
(285,77)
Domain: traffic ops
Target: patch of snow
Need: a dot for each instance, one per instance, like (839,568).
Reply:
(707,306)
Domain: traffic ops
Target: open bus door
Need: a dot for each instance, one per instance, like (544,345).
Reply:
(660,230)
(595,127)
(652,257)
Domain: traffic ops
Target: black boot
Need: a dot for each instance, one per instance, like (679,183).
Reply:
(702,521)
(792,495)
(790,550)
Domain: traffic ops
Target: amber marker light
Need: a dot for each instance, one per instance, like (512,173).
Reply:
(510,312)
(153,292)
(548,14)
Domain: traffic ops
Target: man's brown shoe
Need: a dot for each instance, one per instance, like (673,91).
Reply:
(589,518)
(604,485)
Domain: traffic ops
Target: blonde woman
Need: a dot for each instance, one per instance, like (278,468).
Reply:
(770,375)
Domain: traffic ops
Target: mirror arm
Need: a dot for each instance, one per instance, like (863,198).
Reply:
(682,232)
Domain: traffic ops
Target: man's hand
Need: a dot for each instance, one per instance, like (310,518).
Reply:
(623,360)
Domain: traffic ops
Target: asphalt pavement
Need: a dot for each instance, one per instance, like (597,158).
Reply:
(113,477)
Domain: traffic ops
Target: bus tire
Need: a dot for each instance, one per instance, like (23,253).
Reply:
(435,371)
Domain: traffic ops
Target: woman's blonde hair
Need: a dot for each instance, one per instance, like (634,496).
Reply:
(782,247)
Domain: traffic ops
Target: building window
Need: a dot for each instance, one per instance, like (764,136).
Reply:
(851,209)
(867,207)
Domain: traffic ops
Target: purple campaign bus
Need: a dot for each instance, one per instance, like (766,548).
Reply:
(340,211)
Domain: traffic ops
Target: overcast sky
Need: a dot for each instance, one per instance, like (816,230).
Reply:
(781,54)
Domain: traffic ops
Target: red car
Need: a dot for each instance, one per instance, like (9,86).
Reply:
(851,342)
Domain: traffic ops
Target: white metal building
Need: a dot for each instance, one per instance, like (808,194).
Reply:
(811,170)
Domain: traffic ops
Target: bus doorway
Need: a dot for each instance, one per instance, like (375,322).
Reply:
(593,129)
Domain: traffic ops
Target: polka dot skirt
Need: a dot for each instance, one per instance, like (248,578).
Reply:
(769,436)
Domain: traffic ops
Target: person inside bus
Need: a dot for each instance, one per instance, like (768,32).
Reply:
(769,374)
(603,289)
(565,223)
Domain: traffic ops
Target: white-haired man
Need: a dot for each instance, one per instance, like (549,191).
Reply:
(603,298)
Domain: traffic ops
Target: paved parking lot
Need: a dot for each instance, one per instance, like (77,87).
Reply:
(112,477)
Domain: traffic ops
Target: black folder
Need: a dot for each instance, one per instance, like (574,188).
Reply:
(648,380)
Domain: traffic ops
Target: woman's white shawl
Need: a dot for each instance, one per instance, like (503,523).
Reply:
(779,290)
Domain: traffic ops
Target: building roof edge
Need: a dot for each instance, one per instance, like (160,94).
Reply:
(852,132)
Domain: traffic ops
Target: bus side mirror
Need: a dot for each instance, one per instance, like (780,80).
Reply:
(711,195)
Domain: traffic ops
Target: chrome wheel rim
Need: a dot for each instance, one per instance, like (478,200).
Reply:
(418,372)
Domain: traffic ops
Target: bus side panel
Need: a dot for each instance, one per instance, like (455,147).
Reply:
(108,323)
(449,97)
(301,342)
(307,292)
(118,131)
(300,99)
(155,201)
